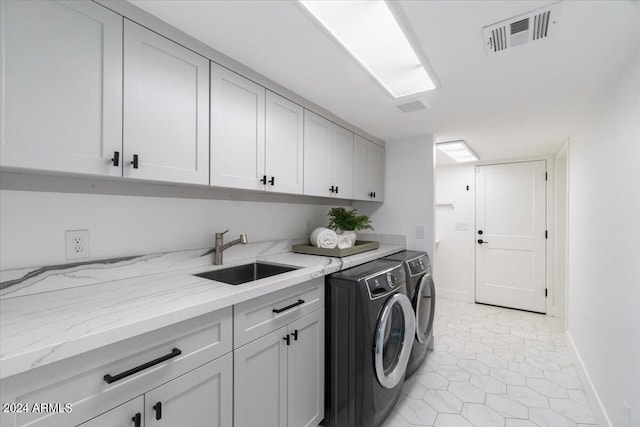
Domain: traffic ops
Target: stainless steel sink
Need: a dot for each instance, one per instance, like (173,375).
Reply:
(245,273)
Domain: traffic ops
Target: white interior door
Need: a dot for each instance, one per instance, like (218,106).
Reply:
(510,235)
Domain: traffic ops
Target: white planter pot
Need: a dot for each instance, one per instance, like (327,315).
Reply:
(351,235)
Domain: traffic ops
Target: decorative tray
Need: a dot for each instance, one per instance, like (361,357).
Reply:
(360,246)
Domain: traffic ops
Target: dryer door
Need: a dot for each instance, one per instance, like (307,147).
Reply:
(425,305)
(394,339)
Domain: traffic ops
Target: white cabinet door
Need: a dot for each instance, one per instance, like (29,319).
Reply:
(166,109)
(317,166)
(376,171)
(201,397)
(129,414)
(237,130)
(284,145)
(61,86)
(368,170)
(260,382)
(306,371)
(341,151)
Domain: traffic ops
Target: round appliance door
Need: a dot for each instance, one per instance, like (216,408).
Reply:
(425,306)
(393,341)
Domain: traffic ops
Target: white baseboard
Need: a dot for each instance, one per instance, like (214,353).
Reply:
(453,295)
(592,395)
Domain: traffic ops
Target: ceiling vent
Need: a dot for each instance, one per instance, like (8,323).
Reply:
(409,106)
(522,29)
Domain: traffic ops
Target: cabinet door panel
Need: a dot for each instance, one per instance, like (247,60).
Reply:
(166,111)
(317,167)
(306,371)
(376,171)
(260,382)
(201,397)
(61,90)
(284,144)
(361,185)
(342,161)
(122,416)
(237,130)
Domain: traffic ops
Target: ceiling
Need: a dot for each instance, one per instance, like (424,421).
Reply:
(520,103)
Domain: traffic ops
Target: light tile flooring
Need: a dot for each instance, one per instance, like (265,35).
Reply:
(494,367)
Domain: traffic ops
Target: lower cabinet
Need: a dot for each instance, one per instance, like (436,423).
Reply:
(201,397)
(279,378)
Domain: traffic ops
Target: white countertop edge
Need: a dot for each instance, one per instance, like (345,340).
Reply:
(17,361)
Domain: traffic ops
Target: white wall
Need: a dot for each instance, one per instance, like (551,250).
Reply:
(408,194)
(560,177)
(33,223)
(604,241)
(454,267)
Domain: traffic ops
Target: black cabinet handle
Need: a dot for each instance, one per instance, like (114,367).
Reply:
(116,158)
(295,304)
(272,181)
(137,420)
(332,189)
(263,180)
(336,189)
(374,194)
(135,161)
(295,334)
(158,408)
(287,339)
(111,379)
(480,241)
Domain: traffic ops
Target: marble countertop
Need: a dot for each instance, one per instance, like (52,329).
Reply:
(51,315)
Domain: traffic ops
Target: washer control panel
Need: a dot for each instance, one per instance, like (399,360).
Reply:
(419,265)
(386,282)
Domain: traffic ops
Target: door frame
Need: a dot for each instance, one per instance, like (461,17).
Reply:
(549,217)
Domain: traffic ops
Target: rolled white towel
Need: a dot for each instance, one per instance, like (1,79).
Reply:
(344,242)
(324,238)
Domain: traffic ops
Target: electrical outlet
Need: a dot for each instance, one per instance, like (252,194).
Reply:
(76,244)
(419,231)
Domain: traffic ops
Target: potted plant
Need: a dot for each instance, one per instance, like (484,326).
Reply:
(348,222)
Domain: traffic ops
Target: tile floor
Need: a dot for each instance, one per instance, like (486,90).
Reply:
(494,367)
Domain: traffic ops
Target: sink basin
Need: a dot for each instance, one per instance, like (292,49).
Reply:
(245,273)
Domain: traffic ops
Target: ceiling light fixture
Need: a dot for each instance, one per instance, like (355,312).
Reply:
(458,151)
(369,31)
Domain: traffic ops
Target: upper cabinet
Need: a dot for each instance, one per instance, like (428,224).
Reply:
(237,130)
(368,170)
(328,158)
(166,109)
(284,152)
(61,86)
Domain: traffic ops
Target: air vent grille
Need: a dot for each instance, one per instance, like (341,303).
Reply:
(411,106)
(521,29)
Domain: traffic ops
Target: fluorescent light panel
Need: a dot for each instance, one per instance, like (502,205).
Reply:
(458,151)
(369,31)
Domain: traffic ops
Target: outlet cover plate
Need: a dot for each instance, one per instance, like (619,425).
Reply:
(76,244)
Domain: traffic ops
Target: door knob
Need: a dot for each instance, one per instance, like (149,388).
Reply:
(480,241)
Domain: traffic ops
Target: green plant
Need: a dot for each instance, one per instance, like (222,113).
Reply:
(342,219)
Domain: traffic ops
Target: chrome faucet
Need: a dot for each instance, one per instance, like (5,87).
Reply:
(220,247)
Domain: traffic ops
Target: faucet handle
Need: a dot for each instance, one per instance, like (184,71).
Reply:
(220,234)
